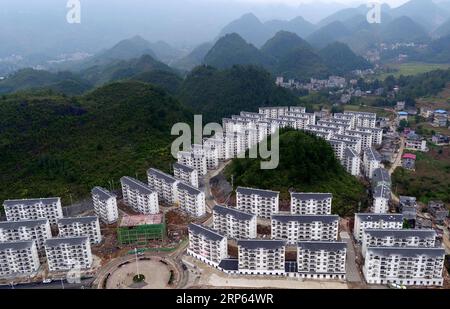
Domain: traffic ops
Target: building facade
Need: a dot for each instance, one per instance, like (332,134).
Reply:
(365,221)
(261,257)
(65,254)
(191,200)
(81,226)
(311,203)
(32,209)
(262,203)
(105,205)
(18,258)
(207,245)
(164,184)
(186,174)
(38,230)
(234,223)
(139,196)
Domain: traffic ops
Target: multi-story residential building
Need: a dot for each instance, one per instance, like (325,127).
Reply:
(207,245)
(164,184)
(381,176)
(211,155)
(398,238)
(321,259)
(261,257)
(377,134)
(31,209)
(294,228)
(215,146)
(366,137)
(440,118)
(186,174)
(191,200)
(438,210)
(405,266)
(348,117)
(331,130)
(440,139)
(355,140)
(363,119)
(311,203)
(408,207)
(139,196)
(338,148)
(331,124)
(37,230)
(256,116)
(371,161)
(409,161)
(81,226)
(195,161)
(234,223)
(262,203)
(235,145)
(352,162)
(297,109)
(381,198)
(105,205)
(365,221)
(64,254)
(416,143)
(18,258)
(274,112)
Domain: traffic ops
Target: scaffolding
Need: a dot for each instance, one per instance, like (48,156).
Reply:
(138,230)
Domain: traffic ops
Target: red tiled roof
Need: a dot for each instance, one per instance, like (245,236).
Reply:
(409,156)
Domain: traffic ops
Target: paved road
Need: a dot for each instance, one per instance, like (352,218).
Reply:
(353,274)
(55,285)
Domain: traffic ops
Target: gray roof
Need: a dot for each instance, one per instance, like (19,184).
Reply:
(311,196)
(403,233)
(380,217)
(381,174)
(14,225)
(358,132)
(183,167)
(345,136)
(306,218)
(71,241)
(161,175)
(205,231)
(190,189)
(322,245)
(382,191)
(102,193)
(263,193)
(238,214)
(372,154)
(343,141)
(259,243)
(136,185)
(406,251)
(30,202)
(229,264)
(349,152)
(16,245)
(82,220)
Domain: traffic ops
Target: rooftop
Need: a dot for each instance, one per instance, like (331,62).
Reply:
(130,221)
(322,245)
(30,202)
(82,220)
(136,185)
(238,214)
(402,233)
(161,175)
(205,231)
(16,245)
(102,193)
(311,196)
(188,188)
(13,225)
(406,251)
(260,192)
(380,217)
(306,218)
(263,244)
(382,191)
(184,168)
(71,241)
(409,156)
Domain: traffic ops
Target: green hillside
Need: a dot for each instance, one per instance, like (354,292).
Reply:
(54,145)
(220,93)
(340,59)
(307,164)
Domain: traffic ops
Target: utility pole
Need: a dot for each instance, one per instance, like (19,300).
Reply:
(62,283)
(137,261)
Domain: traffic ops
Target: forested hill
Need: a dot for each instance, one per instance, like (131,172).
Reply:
(52,145)
(307,164)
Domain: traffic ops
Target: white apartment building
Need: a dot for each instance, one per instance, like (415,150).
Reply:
(234,223)
(404,266)
(366,137)
(139,196)
(331,124)
(274,112)
(186,174)
(349,138)
(371,161)
(297,109)
(331,130)
(31,209)
(207,245)
(195,161)
(234,144)
(105,205)
(38,230)
(348,117)
(164,184)
(262,203)
(211,155)
(311,203)
(191,200)
(365,221)
(338,148)
(18,258)
(310,116)
(325,135)
(217,145)
(301,121)
(256,116)
(261,257)
(65,254)
(364,119)
(377,134)
(321,259)
(81,226)
(294,228)
(352,162)
(398,238)
(381,198)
